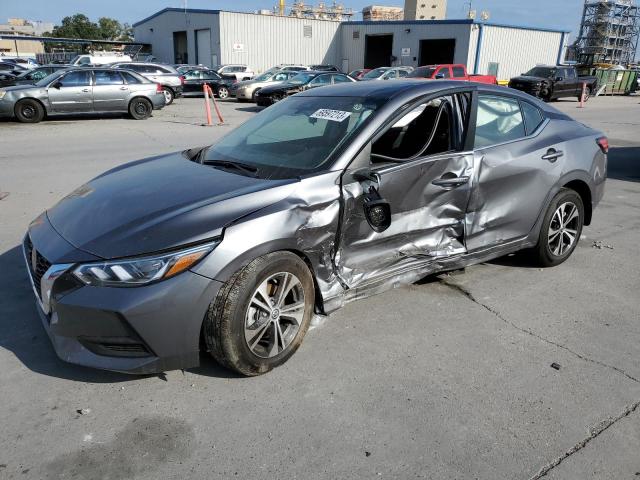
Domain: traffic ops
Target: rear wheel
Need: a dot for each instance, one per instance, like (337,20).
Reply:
(223,93)
(140,108)
(29,111)
(260,316)
(169,96)
(561,229)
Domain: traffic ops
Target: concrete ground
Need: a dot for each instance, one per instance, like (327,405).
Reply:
(448,378)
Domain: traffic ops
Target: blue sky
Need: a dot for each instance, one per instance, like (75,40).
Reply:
(563,14)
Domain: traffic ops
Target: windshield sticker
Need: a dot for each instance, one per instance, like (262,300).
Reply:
(333,115)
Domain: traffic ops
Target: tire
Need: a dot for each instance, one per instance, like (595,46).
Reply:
(253,95)
(548,252)
(140,108)
(169,96)
(243,336)
(223,93)
(29,111)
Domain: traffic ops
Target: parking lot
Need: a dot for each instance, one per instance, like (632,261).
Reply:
(448,378)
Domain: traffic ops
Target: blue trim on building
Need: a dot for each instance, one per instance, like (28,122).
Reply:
(174,9)
(476,64)
(463,21)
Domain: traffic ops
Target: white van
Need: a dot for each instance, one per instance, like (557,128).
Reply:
(99,59)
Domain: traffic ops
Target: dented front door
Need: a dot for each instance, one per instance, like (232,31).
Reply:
(427,198)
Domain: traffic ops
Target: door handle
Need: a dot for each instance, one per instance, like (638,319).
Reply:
(124,88)
(552,155)
(86,90)
(450,182)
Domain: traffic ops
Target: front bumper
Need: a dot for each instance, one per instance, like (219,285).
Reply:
(531,89)
(138,330)
(6,109)
(244,93)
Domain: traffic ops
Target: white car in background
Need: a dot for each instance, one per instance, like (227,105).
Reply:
(241,72)
(95,60)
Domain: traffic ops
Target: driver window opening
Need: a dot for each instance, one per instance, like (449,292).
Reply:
(427,129)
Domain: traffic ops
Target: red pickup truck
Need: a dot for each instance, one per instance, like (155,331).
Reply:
(451,72)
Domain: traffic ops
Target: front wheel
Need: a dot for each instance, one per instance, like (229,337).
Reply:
(140,108)
(561,229)
(29,111)
(223,93)
(260,316)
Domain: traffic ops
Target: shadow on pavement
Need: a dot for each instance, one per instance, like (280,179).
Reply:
(624,163)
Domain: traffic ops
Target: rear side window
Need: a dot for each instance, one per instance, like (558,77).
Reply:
(458,72)
(444,72)
(340,79)
(130,79)
(105,77)
(499,120)
(532,117)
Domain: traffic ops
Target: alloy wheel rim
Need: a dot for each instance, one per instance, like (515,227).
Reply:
(563,229)
(222,93)
(167,96)
(274,315)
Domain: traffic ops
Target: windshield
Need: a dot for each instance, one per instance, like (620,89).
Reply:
(375,73)
(302,78)
(264,77)
(295,136)
(422,72)
(543,72)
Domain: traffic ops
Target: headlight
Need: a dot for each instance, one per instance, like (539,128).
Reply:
(133,272)
(2,94)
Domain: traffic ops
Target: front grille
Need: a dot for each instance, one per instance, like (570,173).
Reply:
(41,264)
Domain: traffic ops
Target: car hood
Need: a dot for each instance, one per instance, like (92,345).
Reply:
(528,79)
(17,88)
(158,204)
(280,87)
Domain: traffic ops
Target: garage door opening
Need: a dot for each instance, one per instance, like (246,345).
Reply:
(203,47)
(180,49)
(433,52)
(377,51)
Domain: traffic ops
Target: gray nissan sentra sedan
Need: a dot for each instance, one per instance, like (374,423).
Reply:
(332,195)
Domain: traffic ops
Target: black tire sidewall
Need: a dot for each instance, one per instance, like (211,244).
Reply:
(132,108)
(39,111)
(543,252)
(231,316)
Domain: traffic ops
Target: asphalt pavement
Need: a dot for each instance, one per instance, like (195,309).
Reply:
(450,378)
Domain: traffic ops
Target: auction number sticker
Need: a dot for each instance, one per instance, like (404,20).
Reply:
(333,115)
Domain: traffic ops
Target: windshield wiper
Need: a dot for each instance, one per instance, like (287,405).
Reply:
(232,165)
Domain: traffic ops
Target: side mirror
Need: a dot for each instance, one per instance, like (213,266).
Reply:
(439,76)
(559,79)
(57,85)
(365,175)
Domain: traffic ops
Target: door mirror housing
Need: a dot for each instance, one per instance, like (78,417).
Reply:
(57,85)
(439,76)
(366,175)
(559,79)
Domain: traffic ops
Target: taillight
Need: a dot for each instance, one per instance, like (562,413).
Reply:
(158,88)
(181,79)
(603,143)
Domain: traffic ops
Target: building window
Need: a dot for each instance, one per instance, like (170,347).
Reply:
(356,34)
(307,31)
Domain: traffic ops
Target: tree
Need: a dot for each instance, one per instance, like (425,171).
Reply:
(76,26)
(79,26)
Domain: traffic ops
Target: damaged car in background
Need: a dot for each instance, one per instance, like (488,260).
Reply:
(329,196)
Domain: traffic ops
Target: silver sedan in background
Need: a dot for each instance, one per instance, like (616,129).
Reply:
(387,73)
(82,90)
(246,91)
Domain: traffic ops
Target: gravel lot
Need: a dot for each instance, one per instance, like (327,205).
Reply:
(448,378)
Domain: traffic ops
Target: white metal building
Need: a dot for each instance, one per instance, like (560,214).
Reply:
(213,37)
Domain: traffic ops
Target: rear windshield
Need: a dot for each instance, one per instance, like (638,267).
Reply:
(295,136)
(422,72)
